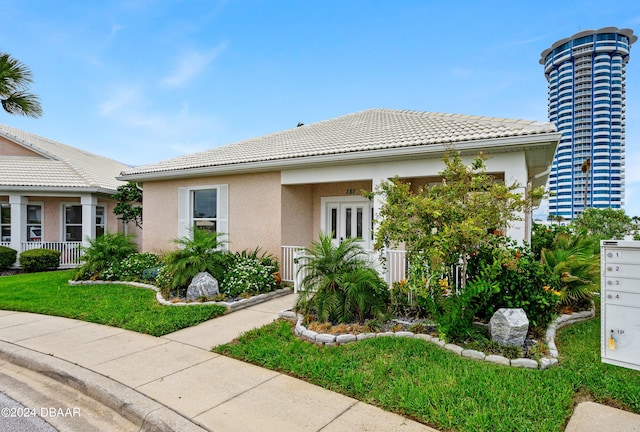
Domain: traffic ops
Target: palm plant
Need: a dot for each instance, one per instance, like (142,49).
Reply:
(339,284)
(575,260)
(15,79)
(102,252)
(200,252)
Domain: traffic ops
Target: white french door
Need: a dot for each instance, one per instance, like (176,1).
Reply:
(346,217)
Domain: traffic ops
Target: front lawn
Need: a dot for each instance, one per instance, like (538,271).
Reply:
(438,388)
(122,306)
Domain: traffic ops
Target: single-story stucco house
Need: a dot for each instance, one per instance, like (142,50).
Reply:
(54,196)
(279,191)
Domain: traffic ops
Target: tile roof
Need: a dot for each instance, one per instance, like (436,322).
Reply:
(367,130)
(61,166)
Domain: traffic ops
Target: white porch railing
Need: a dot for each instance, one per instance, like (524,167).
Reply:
(287,267)
(394,268)
(70,252)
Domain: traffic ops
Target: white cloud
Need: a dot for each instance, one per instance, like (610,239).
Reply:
(121,98)
(192,64)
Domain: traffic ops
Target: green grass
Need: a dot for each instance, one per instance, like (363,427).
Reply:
(438,388)
(121,306)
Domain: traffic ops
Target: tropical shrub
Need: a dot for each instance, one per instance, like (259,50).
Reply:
(521,280)
(403,301)
(544,236)
(37,260)
(575,260)
(135,267)
(7,257)
(102,252)
(202,251)
(339,285)
(604,223)
(249,274)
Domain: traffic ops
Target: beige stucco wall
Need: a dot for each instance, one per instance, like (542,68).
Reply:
(297,215)
(9,148)
(254,211)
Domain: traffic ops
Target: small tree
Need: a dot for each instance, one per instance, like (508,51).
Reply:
(442,227)
(604,223)
(128,208)
(447,222)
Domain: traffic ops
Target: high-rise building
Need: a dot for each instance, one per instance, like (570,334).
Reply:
(586,75)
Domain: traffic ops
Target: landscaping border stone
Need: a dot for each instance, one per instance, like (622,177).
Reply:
(231,306)
(544,363)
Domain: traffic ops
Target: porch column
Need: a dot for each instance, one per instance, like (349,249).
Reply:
(89,204)
(378,201)
(520,230)
(18,221)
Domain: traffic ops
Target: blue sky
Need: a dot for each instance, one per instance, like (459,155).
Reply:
(143,80)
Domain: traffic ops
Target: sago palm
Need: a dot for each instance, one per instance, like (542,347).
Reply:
(575,261)
(104,250)
(339,284)
(200,252)
(15,79)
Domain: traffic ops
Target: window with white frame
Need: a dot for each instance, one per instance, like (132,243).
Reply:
(34,222)
(73,222)
(101,220)
(203,207)
(5,222)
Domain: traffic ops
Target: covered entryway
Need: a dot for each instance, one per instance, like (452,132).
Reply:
(347,217)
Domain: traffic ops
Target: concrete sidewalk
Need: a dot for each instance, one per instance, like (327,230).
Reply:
(176,383)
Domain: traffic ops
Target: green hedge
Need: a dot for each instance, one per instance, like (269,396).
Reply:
(7,257)
(36,260)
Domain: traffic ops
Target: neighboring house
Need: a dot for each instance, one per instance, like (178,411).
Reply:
(52,195)
(280,190)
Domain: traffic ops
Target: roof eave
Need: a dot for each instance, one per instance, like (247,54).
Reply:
(434,150)
(52,190)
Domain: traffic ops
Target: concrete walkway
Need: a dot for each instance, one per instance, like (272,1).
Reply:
(176,383)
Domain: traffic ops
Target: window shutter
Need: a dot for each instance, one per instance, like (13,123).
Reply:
(183,212)
(223,211)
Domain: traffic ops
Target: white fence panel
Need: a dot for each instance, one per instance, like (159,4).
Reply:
(287,266)
(70,252)
(393,269)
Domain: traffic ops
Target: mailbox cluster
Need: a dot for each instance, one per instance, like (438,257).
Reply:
(620,300)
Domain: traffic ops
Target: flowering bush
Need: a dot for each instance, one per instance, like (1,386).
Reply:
(135,267)
(249,275)
(523,283)
(163,280)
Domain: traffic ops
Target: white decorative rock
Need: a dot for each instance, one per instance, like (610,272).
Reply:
(346,338)
(325,338)
(455,348)
(363,336)
(509,326)
(202,285)
(385,334)
(309,334)
(524,363)
(405,334)
(546,362)
(497,359)
(473,354)
(425,337)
